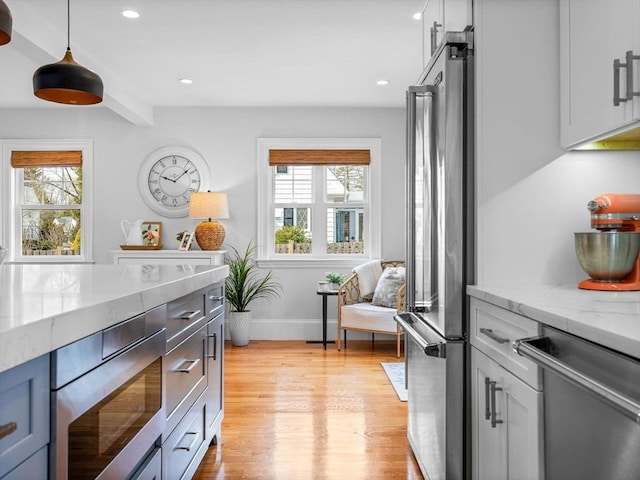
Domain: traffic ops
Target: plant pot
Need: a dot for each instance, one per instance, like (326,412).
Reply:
(239,328)
(334,286)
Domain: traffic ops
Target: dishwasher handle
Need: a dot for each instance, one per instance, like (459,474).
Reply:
(431,349)
(626,405)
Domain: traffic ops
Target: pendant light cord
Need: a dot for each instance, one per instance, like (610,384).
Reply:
(68,24)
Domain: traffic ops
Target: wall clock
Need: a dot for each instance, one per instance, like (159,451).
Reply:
(168,176)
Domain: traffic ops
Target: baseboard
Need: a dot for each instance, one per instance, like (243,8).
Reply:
(302,329)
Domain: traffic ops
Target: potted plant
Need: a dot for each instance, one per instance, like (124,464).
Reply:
(335,280)
(243,286)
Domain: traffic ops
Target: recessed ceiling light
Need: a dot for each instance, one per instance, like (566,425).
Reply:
(130,14)
(186,81)
(417,16)
(382,82)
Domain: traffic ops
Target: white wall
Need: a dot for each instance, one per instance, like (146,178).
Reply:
(531,195)
(226,138)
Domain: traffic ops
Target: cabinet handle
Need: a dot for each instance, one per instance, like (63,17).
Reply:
(188,448)
(190,367)
(215,346)
(189,315)
(487,410)
(489,333)
(434,36)
(628,66)
(8,429)
(494,389)
(216,299)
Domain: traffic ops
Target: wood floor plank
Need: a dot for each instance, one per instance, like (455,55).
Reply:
(294,412)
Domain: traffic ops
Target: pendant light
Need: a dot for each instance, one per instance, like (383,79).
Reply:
(6,21)
(67,81)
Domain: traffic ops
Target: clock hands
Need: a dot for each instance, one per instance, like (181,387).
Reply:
(177,178)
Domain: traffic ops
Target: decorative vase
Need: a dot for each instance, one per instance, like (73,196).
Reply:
(239,328)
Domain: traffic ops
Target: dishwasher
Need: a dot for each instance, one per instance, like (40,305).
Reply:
(591,407)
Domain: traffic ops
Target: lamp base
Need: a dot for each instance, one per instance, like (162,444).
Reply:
(209,235)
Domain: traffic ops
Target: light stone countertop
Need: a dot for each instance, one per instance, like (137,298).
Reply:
(44,307)
(611,319)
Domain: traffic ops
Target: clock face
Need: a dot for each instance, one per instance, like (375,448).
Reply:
(169,176)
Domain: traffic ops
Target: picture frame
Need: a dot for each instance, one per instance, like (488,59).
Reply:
(151,234)
(185,243)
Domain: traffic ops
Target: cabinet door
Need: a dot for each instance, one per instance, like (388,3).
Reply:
(593,33)
(215,363)
(511,447)
(485,441)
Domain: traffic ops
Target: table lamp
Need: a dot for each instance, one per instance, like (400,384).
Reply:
(210,205)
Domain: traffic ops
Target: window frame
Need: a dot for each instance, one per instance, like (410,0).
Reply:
(372,202)
(10,233)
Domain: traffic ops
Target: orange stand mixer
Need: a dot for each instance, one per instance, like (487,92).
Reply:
(611,256)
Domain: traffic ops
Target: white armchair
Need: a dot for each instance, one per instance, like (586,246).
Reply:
(357,312)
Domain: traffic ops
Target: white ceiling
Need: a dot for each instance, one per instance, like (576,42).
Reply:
(324,53)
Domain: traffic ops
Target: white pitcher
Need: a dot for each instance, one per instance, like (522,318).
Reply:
(132,231)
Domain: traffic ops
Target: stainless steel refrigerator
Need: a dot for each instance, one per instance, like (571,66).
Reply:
(440,259)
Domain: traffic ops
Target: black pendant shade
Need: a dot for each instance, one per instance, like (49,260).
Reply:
(6,22)
(67,82)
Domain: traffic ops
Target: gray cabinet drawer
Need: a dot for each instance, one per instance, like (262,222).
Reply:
(493,331)
(24,412)
(36,467)
(214,300)
(180,449)
(184,316)
(186,375)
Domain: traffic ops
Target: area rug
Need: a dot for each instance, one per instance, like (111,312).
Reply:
(395,372)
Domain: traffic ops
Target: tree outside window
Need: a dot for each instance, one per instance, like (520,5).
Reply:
(50,211)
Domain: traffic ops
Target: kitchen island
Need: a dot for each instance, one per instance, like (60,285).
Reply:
(44,307)
(112,370)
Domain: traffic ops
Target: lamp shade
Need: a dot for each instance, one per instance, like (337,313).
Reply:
(67,82)
(211,205)
(6,22)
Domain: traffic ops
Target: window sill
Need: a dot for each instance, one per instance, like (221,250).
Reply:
(324,262)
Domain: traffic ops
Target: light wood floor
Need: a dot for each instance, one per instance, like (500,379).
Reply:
(296,412)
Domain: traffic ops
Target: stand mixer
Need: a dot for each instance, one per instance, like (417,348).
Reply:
(611,256)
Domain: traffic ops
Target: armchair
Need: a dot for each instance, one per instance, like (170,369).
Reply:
(356,312)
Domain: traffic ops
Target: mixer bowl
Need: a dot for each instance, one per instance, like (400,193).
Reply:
(607,256)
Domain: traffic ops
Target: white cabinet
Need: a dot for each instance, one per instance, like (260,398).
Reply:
(441,16)
(507,425)
(507,401)
(168,257)
(593,35)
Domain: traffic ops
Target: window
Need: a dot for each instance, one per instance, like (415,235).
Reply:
(48,196)
(322,199)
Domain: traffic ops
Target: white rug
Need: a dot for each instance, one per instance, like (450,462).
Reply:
(395,372)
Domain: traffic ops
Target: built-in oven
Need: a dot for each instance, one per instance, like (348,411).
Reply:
(591,407)
(107,399)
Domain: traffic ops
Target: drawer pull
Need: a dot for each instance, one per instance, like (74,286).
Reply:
(489,333)
(188,448)
(190,367)
(216,299)
(8,429)
(189,315)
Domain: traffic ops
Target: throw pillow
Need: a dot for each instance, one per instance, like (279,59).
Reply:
(386,291)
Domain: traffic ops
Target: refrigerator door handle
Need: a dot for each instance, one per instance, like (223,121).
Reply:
(413,92)
(433,349)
